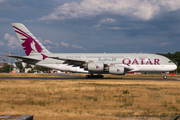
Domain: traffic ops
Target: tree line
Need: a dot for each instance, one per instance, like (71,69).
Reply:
(6,68)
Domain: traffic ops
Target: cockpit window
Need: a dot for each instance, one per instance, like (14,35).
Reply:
(170,61)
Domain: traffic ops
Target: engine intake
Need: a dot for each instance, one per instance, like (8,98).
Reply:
(96,67)
(117,70)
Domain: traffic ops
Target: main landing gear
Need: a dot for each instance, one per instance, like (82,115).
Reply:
(94,76)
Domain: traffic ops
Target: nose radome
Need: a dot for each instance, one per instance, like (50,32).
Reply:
(174,66)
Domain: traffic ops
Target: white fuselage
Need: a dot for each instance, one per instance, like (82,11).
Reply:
(135,62)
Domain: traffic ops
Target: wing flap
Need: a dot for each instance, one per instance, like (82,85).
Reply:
(75,62)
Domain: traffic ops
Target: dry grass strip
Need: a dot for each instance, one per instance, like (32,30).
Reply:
(26,75)
(90,99)
(78,74)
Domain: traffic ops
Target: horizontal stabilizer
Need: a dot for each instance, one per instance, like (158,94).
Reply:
(23,58)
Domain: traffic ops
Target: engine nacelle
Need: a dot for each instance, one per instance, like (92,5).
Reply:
(96,67)
(119,70)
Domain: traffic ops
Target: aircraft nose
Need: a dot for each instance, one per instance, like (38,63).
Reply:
(174,66)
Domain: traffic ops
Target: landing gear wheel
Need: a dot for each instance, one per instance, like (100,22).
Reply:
(87,76)
(101,76)
(165,77)
(95,76)
(91,76)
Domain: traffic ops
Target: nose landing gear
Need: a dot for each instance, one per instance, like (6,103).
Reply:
(165,77)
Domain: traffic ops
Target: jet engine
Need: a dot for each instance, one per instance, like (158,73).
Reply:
(117,70)
(95,67)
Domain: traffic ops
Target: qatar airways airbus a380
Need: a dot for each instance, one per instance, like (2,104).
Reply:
(91,63)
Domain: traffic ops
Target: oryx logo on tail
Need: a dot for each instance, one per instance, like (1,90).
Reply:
(29,43)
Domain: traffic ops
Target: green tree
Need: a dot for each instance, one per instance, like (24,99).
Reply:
(5,69)
(28,66)
(19,65)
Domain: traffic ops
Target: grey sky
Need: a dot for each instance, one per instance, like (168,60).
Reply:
(114,26)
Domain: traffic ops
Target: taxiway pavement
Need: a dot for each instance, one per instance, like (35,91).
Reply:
(82,78)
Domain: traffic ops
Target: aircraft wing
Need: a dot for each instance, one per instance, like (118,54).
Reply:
(82,63)
(75,62)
